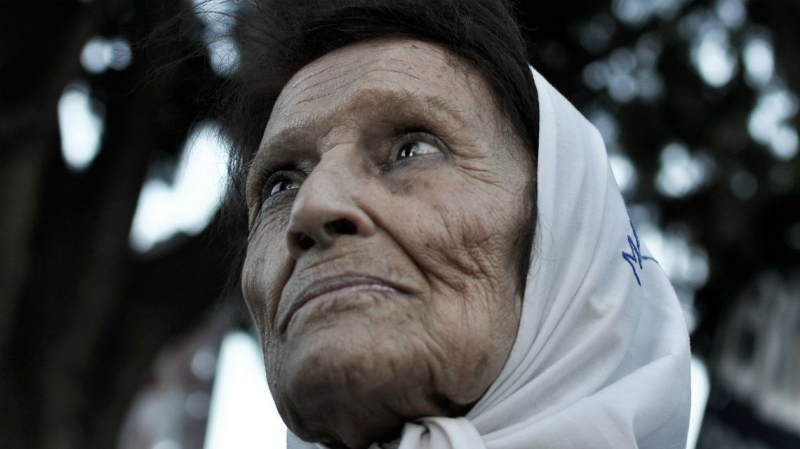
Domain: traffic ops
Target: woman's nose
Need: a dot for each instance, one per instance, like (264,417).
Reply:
(326,209)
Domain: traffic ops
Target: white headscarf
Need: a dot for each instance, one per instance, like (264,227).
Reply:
(601,358)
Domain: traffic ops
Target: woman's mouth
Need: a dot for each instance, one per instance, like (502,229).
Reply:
(333,287)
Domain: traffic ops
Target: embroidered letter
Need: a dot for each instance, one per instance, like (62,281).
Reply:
(635,257)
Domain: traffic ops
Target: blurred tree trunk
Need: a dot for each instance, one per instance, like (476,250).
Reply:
(80,317)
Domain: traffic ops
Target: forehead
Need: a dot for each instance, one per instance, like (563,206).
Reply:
(379,74)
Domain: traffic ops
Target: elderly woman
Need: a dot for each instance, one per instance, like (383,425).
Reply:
(437,254)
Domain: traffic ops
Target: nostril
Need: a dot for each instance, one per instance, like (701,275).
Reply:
(343,227)
(305,242)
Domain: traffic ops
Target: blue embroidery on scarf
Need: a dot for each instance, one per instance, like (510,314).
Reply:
(635,257)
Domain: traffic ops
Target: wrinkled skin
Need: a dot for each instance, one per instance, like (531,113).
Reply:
(386,198)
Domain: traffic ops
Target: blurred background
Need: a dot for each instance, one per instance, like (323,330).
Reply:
(114,329)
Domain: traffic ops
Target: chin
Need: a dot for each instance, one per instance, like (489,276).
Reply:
(330,388)
(352,354)
(357,380)
(355,343)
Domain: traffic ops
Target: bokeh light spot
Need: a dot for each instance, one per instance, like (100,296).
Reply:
(608,126)
(625,172)
(768,124)
(785,142)
(684,263)
(121,54)
(595,36)
(204,364)
(243,414)
(167,444)
(189,204)
(731,12)
(681,173)
(637,12)
(701,388)
(197,405)
(596,75)
(759,61)
(713,58)
(99,54)
(223,56)
(81,121)
(96,55)
(223,53)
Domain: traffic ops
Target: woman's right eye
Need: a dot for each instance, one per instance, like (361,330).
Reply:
(274,187)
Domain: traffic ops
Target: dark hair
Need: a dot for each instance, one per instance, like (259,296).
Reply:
(276,38)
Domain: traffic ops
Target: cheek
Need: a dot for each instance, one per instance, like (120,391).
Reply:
(266,269)
(462,238)
(467,233)
(467,240)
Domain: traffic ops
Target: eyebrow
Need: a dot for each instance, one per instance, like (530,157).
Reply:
(270,155)
(295,136)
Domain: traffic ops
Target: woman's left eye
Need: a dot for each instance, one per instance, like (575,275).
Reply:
(415,148)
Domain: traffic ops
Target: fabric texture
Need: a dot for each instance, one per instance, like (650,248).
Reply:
(601,358)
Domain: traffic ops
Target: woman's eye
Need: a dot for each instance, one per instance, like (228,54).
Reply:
(279,186)
(415,148)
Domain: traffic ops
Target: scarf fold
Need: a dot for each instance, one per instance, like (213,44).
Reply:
(601,358)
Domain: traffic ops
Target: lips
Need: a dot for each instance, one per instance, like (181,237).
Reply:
(331,286)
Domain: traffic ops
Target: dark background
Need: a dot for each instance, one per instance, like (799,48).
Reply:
(687,104)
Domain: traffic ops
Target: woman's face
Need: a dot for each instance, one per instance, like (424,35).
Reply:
(387,202)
